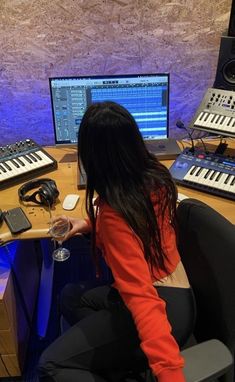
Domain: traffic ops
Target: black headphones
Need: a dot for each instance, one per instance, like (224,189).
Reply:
(45,195)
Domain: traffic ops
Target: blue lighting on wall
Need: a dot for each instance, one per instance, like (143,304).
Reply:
(26,115)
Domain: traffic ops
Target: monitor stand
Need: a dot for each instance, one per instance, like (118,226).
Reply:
(167,148)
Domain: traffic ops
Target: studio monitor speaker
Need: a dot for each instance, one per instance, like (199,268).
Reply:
(231,28)
(225,74)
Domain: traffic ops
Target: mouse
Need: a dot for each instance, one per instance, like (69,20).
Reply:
(70,201)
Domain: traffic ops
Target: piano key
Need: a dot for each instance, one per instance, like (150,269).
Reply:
(206,117)
(213,181)
(229,121)
(201,115)
(28,159)
(210,120)
(212,174)
(7,166)
(190,173)
(23,164)
(225,123)
(208,173)
(14,169)
(2,168)
(32,157)
(193,169)
(220,182)
(45,157)
(197,173)
(199,119)
(37,156)
(218,122)
(14,163)
(228,178)
(193,174)
(217,119)
(30,166)
(222,119)
(216,181)
(19,162)
(3,175)
(215,122)
(231,184)
(26,163)
(231,127)
(201,179)
(213,117)
(226,185)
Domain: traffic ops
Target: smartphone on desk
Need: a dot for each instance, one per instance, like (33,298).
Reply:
(16,220)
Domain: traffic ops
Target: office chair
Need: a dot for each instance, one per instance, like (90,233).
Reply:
(207,248)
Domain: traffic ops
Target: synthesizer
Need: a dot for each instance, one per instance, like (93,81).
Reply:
(23,160)
(216,113)
(206,172)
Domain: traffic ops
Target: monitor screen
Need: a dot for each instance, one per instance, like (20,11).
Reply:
(145,96)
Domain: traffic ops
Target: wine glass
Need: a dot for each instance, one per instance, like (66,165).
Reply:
(58,230)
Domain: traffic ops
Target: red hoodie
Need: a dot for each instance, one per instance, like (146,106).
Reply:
(124,255)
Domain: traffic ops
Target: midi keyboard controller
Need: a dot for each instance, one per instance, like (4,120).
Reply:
(208,172)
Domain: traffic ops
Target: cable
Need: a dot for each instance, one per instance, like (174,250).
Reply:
(181,125)
(204,145)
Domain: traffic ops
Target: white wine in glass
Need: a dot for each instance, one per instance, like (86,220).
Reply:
(58,230)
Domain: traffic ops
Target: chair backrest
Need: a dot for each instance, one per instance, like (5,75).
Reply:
(207,248)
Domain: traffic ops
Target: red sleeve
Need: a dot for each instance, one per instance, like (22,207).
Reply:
(88,222)
(125,257)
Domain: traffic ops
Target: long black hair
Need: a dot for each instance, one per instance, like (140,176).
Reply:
(124,174)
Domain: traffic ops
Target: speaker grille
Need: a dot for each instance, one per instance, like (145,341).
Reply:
(225,74)
(229,72)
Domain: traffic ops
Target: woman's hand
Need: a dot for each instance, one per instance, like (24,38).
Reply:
(77,226)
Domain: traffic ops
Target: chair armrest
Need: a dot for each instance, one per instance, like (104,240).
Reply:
(206,361)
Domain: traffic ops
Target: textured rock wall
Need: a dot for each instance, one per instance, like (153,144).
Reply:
(41,38)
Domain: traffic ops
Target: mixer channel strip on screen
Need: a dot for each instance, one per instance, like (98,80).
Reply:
(210,173)
(23,160)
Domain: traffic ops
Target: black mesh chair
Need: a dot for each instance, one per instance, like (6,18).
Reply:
(207,248)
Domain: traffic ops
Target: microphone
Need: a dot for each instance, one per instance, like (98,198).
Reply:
(180,125)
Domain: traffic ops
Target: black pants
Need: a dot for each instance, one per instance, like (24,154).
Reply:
(103,343)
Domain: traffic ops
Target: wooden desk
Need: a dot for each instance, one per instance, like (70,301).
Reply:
(66,180)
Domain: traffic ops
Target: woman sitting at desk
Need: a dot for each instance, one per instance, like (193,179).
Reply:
(148,312)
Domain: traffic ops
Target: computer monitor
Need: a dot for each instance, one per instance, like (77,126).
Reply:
(145,96)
